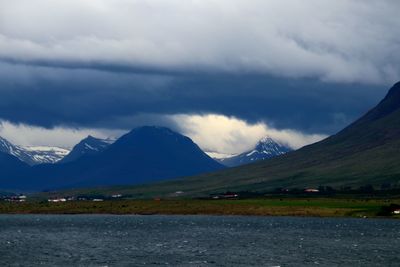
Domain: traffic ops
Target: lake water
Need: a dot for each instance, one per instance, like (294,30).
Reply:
(106,240)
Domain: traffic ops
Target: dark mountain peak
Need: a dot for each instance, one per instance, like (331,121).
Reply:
(153,130)
(396,85)
(152,135)
(88,146)
(394,92)
(90,137)
(389,105)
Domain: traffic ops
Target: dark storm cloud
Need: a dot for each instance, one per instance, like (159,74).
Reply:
(90,98)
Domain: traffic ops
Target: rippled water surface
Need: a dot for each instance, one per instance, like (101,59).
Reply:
(105,240)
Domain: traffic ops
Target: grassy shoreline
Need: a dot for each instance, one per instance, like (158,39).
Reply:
(321,207)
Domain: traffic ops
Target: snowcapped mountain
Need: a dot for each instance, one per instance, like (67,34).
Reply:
(88,146)
(46,154)
(266,148)
(33,155)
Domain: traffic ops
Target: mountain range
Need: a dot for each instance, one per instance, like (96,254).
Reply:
(266,148)
(364,153)
(367,152)
(143,155)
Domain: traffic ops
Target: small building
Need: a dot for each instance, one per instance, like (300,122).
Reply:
(230,195)
(116,196)
(98,199)
(56,200)
(311,190)
(227,195)
(20,198)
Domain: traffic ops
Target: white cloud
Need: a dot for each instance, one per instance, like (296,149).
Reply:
(25,135)
(219,133)
(346,41)
(229,135)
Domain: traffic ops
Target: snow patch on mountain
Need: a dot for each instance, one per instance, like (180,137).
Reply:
(33,155)
(266,148)
(47,154)
(88,146)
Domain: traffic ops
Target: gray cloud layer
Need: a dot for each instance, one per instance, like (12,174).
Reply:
(91,98)
(346,41)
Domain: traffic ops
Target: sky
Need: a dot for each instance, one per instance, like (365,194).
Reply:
(225,73)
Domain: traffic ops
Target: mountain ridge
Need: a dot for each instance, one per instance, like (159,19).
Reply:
(143,155)
(264,149)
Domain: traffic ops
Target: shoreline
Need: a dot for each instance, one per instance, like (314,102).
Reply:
(351,208)
(205,214)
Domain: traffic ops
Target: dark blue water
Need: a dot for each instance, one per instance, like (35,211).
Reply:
(103,240)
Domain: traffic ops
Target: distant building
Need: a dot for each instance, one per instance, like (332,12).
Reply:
(311,190)
(98,199)
(55,200)
(20,198)
(227,195)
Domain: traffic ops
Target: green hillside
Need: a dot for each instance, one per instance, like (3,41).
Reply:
(366,152)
